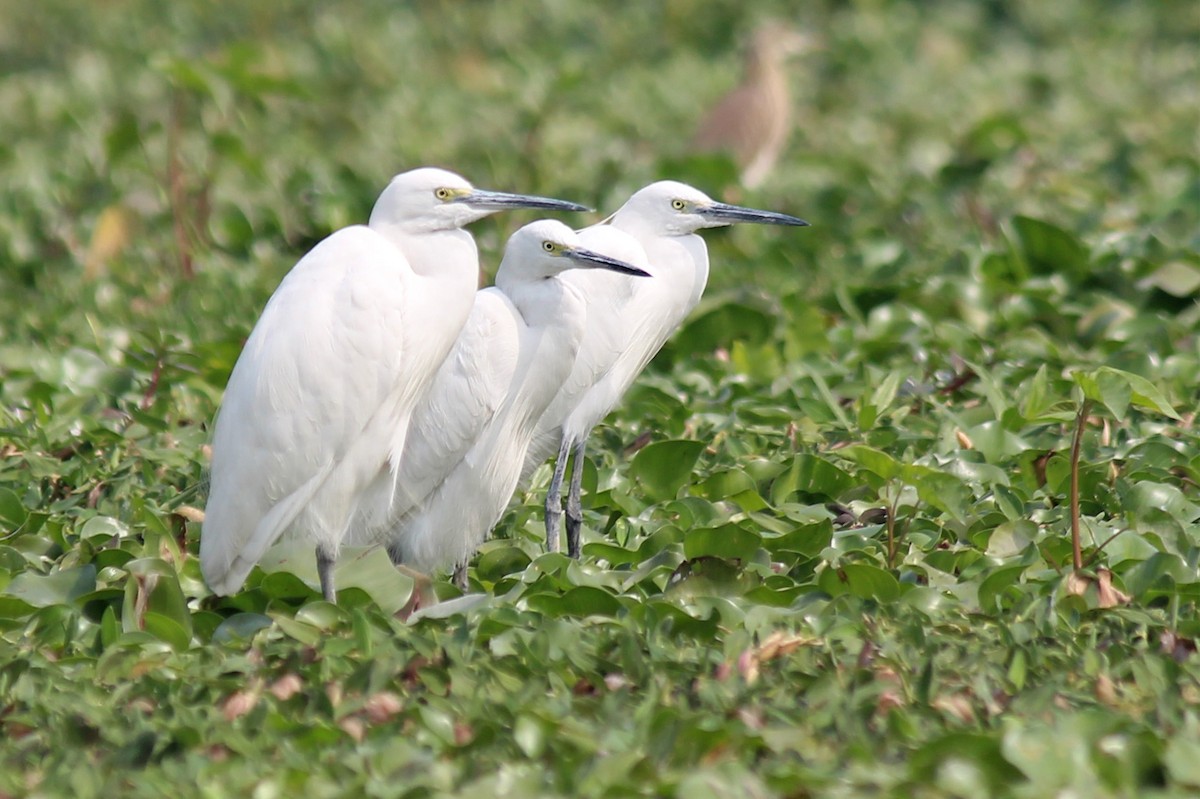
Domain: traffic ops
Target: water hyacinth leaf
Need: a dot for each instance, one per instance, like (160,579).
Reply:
(153,588)
(12,511)
(719,322)
(240,626)
(861,580)
(994,586)
(499,561)
(1146,498)
(805,539)
(727,483)
(662,468)
(941,490)
(1049,249)
(578,601)
(811,474)
(60,587)
(728,541)
(103,526)
(873,460)
(1116,390)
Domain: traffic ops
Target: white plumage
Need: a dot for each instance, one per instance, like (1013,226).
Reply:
(468,437)
(638,318)
(318,404)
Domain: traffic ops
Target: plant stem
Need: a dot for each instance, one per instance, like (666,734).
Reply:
(1076,443)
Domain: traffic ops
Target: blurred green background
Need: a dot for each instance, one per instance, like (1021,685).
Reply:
(1001,194)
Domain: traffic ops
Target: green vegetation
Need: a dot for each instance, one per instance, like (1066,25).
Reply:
(829,549)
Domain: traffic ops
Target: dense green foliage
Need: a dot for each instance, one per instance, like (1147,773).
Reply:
(829,547)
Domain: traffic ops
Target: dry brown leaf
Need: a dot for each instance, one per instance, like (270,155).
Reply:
(112,234)
(190,513)
(1106,691)
(956,705)
(1107,595)
(616,681)
(888,700)
(382,706)
(779,644)
(286,687)
(239,704)
(748,666)
(1077,584)
(1110,596)
(354,727)
(964,440)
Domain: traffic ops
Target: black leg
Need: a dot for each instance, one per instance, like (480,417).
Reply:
(460,576)
(554,495)
(325,564)
(574,503)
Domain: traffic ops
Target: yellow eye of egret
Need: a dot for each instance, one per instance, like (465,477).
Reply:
(548,246)
(678,205)
(442,194)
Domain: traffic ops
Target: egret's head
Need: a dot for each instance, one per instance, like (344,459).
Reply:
(431,199)
(670,208)
(547,248)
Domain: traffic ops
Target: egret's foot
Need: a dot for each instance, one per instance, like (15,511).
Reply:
(460,577)
(553,524)
(554,495)
(574,526)
(325,564)
(423,595)
(575,501)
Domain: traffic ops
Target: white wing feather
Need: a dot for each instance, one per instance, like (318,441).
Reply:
(468,388)
(606,335)
(301,429)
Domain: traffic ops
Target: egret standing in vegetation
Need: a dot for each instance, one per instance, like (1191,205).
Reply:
(661,219)
(319,401)
(467,441)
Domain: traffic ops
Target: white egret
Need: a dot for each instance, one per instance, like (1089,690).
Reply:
(467,440)
(319,400)
(638,318)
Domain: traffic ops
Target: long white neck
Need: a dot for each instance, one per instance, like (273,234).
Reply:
(544,302)
(682,260)
(446,265)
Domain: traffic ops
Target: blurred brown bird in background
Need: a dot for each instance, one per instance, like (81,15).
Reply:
(752,122)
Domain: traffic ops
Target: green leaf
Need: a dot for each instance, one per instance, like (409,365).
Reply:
(103,527)
(1049,249)
(583,600)
(240,627)
(941,490)
(60,587)
(1182,760)
(861,580)
(996,584)
(12,510)
(1116,390)
(728,541)
(501,561)
(153,588)
(812,475)
(873,460)
(662,468)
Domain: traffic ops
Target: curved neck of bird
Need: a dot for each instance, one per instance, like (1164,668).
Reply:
(438,254)
(764,68)
(541,301)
